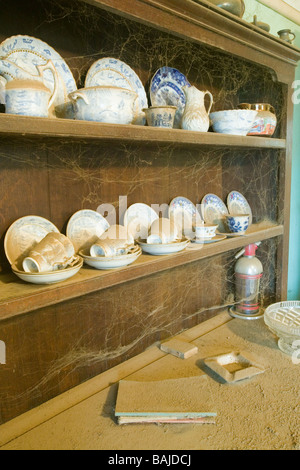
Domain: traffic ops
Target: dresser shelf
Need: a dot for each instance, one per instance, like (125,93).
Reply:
(11,125)
(18,297)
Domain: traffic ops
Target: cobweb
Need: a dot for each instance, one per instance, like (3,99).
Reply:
(97,331)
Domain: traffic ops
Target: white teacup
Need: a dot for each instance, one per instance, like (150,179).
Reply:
(205,230)
(163,230)
(55,251)
(110,248)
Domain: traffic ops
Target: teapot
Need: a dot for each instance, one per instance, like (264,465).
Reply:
(195,117)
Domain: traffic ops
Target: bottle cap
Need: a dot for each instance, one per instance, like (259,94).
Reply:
(250,249)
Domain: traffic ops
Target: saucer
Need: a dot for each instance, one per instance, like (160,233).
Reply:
(213,210)
(23,235)
(51,277)
(138,219)
(158,249)
(166,90)
(238,204)
(85,227)
(216,238)
(111,262)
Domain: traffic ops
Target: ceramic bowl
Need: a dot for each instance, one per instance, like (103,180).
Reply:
(113,262)
(237,223)
(233,121)
(160,116)
(108,104)
(205,230)
(159,249)
(283,319)
(52,277)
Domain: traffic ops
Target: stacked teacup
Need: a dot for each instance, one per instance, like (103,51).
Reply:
(54,252)
(115,248)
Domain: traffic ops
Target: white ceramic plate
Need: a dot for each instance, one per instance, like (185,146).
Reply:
(238,204)
(85,227)
(27,52)
(213,211)
(138,219)
(111,262)
(166,89)
(113,72)
(51,277)
(23,235)
(158,249)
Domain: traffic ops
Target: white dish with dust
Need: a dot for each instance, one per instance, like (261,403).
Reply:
(85,227)
(138,219)
(159,249)
(23,235)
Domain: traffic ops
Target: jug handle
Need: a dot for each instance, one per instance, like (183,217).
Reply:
(50,66)
(211,100)
(293,34)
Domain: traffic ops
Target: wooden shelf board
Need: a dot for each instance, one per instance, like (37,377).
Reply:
(18,297)
(71,129)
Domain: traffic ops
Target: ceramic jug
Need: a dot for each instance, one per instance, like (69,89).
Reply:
(195,117)
(236,7)
(26,90)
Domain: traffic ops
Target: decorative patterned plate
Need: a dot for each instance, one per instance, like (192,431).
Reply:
(27,52)
(238,204)
(23,235)
(52,277)
(113,72)
(85,227)
(138,219)
(213,210)
(158,249)
(166,89)
(111,262)
(184,213)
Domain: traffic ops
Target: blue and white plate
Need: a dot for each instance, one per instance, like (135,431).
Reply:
(184,213)
(28,52)
(166,89)
(238,204)
(113,72)
(213,211)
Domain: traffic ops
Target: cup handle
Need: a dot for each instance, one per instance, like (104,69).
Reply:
(76,94)
(50,66)
(294,35)
(211,100)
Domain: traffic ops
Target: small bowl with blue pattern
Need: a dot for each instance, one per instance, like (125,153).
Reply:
(237,223)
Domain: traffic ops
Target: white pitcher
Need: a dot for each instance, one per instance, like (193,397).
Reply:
(195,117)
